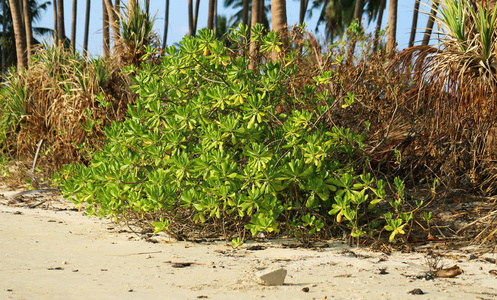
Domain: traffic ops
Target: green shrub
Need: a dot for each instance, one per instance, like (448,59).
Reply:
(214,146)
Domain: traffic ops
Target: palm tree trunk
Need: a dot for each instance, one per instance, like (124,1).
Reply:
(254,46)
(392,27)
(215,18)
(190,18)
(278,19)
(20,34)
(429,25)
(105,30)
(87,26)
(358,11)
(245,12)
(414,23)
(61,30)
(195,17)
(378,24)
(210,18)
(55,22)
(73,25)
(4,35)
(278,16)
(166,25)
(303,10)
(114,23)
(27,27)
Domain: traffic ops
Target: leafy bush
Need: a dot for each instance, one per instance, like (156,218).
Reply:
(213,146)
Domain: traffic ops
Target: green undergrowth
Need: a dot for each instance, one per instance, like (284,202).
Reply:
(213,147)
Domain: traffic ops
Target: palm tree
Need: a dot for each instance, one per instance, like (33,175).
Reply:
(256,18)
(303,10)
(73,24)
(87,26)
(392,26)
(212,12)
(278,16)
(358,10)
(105,30)
(338,14)
(4,36)
(28,28)
(431,21)
(55,21)
(414,22)
(113,20)
(166,24)
(8,42)
(61,30)
(243,10)
(192,17)
(378,24)
(278,20)
(20,34)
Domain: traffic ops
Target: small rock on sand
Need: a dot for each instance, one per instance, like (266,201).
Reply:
(272,277)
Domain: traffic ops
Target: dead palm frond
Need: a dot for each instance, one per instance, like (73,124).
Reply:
(456,83)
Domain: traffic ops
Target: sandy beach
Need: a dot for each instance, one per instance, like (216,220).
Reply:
(52,251)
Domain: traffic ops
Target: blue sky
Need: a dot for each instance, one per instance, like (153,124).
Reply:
(178,20)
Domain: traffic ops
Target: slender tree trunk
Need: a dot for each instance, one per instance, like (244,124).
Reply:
(278,19)
(278,16)
(414,25)
(55,22)
(210,18)
(61,30)
(28,28)
(303,10)
(73,24)
(254,46)
(195,17)
(260,16)
(245,12)
(166,25)
(105,30)
(87,26)
(20,34)
(114,23)
(358,11)
(392,27)
(429,25)
(190,18)
(215,17)
(378,24)
(4,35)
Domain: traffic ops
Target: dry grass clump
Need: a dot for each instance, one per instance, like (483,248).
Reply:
(64,99)
(454,95)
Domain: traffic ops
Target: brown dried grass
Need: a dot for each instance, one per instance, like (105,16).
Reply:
(60,87)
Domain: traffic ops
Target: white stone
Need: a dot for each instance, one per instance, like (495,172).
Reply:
(272,277)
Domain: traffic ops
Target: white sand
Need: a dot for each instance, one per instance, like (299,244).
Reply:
(46,254)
